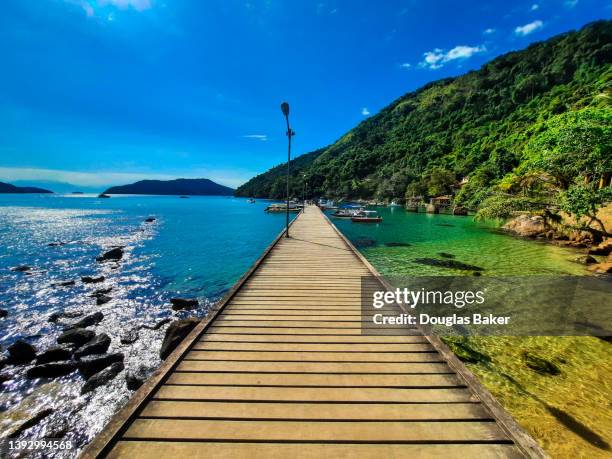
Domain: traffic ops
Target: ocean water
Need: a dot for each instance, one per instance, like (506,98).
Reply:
(196,247)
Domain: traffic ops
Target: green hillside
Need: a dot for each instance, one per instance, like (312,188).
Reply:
(525,127)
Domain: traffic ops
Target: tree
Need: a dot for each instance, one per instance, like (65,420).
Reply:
(440,181)
(585,201)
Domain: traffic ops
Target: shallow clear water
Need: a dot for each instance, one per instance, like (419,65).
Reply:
(196,247)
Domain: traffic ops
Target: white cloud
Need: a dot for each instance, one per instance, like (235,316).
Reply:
(405,65)
(528,28)
(365,111)
(535,7)
(571,3)
(489,31)
(438,57)
(262,137)
(92,6)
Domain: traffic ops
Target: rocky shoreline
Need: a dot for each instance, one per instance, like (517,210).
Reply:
(537,227)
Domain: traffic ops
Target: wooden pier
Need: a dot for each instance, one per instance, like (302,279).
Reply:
(280,369)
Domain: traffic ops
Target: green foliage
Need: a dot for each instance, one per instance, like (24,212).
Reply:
(585,201)
(523,128)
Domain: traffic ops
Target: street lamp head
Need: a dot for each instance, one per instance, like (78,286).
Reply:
(285,108)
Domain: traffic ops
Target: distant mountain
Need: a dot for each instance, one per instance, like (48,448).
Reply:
(8,188)
(58,187)
(193,187)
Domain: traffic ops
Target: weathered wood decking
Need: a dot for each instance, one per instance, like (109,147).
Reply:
(281,370)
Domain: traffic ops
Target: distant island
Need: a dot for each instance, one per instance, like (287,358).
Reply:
(178,187)
(8,188)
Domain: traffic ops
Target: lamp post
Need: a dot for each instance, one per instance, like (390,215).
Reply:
(290,133)
(304,191)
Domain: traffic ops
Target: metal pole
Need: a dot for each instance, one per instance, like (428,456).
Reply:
(290,133)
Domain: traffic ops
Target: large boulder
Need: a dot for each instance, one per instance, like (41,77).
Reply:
(20,352)
(88,321)
(92,364)
(102,377)
(183,303)
(76,336)
(54,354)
(51,370)
(64,315)
(99,344)
(175,333)
(135,379)
(21,268)
(3,313)
(586,260)
(102,299)
(129,337)
(527,225)
(157,325)
(115,254)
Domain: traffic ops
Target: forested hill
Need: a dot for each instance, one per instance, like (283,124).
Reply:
(489,125)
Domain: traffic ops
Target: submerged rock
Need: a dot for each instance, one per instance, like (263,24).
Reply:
(446,255)
(135,379)
(77,336)
(67,315)
(397,244)
(115,254)
(540,365)
(183,303)
(462,349)
(157,325)
(98,345)
(129,337)
(30,422)
(20,352)
(364,242)
(586,260)
(67,283)
(451,264)
(51,370)
(55,244)
(88,321)
(527,225)
(101,291)
(102,377)
(92,280)
(92,364)
(175,333)
(54,354)
(3,313)
(102,299)
(445,224)
(21,268)
(149,220)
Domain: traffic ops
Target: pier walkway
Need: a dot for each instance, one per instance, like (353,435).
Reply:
(280,369)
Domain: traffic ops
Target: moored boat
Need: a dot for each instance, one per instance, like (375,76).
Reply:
(367,216)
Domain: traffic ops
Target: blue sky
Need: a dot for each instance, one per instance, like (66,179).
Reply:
(100,92)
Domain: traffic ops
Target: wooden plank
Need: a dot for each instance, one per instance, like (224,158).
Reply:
(310,356)
(367,431)
(327,347)
(316,411)
(322,380)
(244,450)
(271,338)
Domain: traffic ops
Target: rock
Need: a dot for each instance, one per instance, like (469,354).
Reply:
(102,377)
(451,264)
(4,378)
(67,314)
(54,354)
(446,255)
(55,244)
(92,364)
(462,349)
(88,321)
(586,260)
(3,313)
(445,224)
(21,269)
(540,365)
(600,250)
(92,280)
(459,210)
(101,291)
(363,242)
(20,352)
(102,299)
(30,422)
(183,303)
(397,244)
(58,429)
(51,370)
(601,268)
(129,337)
(134,379)
(77,336)
(115,254)
(527,225)
(67,283)
(175,333)
(149,220)
(157,325)
(99,344)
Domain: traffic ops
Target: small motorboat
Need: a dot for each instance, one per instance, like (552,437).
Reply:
(367,216)
(102,195)
(347,213)
(275,208)
(251,201)
(394,204)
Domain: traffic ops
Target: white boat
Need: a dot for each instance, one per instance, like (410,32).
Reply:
(251,201)
(394,204)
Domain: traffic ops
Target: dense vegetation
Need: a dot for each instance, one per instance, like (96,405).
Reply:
(8,188)
(529,129)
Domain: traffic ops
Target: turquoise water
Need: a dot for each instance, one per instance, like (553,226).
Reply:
(475,243)
(196,247)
